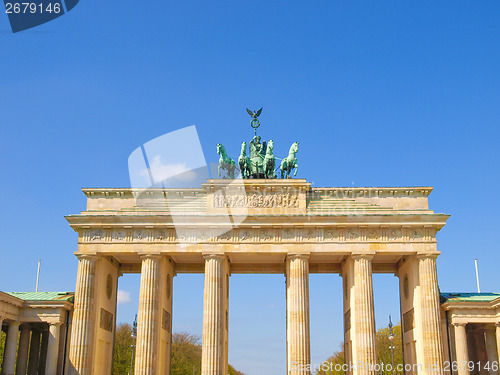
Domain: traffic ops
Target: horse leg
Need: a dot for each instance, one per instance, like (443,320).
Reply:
(242,169)
(296,169)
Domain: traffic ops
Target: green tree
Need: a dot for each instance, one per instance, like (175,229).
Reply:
(231,371)
(2,345)
(186,353)
(334,364)
(123,349)
(384,351)
(336,361)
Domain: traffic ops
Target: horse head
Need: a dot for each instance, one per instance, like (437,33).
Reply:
(270,147)
(294,148)
(220,149)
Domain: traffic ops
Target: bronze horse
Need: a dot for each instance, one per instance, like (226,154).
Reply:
(290,162)
(225,162)
(269,161)
(244,162)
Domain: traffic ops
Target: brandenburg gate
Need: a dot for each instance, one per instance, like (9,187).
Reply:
(254,225)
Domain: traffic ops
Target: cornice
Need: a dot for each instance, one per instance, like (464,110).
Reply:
(48,305)
(11,300)
(155,218)
(458,306)
(347,191)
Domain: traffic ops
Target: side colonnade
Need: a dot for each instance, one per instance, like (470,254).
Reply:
(36,327)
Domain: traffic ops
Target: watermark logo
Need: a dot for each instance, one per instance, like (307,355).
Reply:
(166,174)
(25,15)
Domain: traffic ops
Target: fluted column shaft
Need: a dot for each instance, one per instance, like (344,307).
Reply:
(80,349)
(22,352)
(461,348)
(52,350)
(34,352)
(364,319)
(147,321)
(297,311)
(430,320)
(212,359)
(491,349)
(497,325)
(9,356)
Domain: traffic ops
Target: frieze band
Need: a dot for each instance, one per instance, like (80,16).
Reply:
(263,234)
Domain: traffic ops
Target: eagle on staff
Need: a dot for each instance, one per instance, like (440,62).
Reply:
(255,114)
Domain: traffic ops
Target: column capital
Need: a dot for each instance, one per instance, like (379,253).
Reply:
(91,257)
(368,256)
(497,324)
(428,255)
(207,255)
(304,256)
(458,324)
(149,256)
(14,324)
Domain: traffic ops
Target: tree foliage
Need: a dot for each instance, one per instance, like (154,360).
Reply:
(123,349)
(335,362)
(186,354)
(185,359)
(384,344)
(2,344)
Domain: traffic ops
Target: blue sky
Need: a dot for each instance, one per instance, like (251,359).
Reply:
(385,93)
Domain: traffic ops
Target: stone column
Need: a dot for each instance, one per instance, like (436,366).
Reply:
(147,321)
(80,349)
(364,313)
(497,325)
(461,348)
(9,356)
(430,315)
(52,349)
(43,351)
(34,352)
(491,349)
(213,353)
(1,329)
(297,312)
(22,352)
